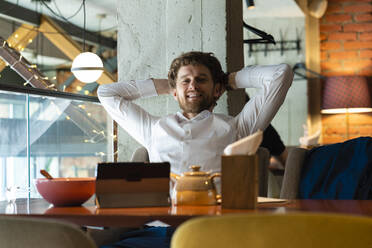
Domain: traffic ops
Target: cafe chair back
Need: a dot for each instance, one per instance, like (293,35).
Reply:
(294,230)
(341,171)
(18,231)
(141,155)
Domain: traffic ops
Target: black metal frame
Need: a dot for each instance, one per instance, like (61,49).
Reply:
(266,38)
(43,92)
(23,15)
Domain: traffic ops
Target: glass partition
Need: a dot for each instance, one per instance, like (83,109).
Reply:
(65,136)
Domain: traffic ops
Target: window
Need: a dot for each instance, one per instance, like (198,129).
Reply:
(63,135)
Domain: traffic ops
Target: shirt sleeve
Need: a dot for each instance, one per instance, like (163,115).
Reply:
(273,83)
(117,99)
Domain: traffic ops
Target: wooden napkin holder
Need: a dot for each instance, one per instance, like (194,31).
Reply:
(123,185)
(239,181)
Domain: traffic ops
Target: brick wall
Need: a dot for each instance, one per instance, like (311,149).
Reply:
(346,49)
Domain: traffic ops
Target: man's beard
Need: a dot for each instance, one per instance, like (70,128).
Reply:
(196,107)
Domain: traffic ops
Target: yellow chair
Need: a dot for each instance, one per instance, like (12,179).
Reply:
(303,230)
(41,233)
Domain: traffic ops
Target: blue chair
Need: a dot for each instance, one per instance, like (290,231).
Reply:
(337,171)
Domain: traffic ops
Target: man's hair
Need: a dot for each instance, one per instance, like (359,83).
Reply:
(196,58)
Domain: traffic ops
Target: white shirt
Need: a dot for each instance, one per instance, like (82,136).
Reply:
(202,139)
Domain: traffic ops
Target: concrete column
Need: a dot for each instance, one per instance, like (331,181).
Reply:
(151,33)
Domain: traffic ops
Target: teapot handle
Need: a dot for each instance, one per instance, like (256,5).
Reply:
(217,174)
(218,196)
(174,177)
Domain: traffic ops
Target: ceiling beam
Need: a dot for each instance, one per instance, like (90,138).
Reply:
(20,39)
(20,65)
(17,13)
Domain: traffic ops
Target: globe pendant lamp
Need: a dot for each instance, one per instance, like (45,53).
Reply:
(87,67)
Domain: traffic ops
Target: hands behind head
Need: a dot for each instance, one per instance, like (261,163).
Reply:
(225,81)
(223,85)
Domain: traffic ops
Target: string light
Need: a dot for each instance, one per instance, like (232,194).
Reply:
(105,154)
(100,154)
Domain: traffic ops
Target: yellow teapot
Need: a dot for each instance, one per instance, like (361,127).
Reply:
(194,187)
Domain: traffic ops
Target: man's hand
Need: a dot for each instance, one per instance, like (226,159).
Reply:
(228,82)
(231,84)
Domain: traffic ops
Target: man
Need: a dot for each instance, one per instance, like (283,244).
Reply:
(196,135)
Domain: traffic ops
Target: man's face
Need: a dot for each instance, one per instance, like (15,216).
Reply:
(195,90)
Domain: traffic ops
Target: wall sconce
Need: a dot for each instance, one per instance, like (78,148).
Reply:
(250,4)
(87,67)
(346,94)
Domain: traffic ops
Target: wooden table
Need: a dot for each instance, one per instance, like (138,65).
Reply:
(90,215)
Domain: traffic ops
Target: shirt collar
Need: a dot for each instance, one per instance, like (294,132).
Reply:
(202,115)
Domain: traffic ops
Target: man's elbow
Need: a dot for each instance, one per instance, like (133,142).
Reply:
(286,74)
(101,91)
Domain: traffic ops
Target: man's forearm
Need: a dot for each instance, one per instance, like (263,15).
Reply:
(162,86)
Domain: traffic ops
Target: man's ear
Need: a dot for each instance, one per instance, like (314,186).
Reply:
(218,91)
(174,93)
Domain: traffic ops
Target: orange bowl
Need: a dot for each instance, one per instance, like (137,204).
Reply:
(66,191)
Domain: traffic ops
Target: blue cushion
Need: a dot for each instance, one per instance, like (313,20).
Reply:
(149,237)
(338,171)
